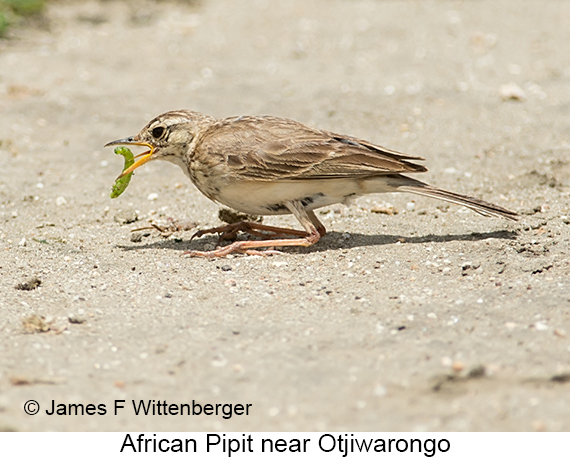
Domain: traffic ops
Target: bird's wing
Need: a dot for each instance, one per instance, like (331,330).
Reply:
(270,148)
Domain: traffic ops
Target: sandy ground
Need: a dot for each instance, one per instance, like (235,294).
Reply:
(434,318)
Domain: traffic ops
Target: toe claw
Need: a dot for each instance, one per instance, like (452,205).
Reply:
(197,234)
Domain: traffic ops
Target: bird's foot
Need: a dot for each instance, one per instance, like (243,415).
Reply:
(230,231)
(250,247)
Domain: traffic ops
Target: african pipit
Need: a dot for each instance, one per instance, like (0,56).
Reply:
(269,165)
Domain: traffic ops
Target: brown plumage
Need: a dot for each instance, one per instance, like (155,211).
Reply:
(269,165)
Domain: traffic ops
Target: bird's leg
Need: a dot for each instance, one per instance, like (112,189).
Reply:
(229,232)
(318,224)
(314,230)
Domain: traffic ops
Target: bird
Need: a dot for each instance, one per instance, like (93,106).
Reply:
(267,165)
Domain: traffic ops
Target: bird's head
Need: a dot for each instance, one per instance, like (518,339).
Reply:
(168,137)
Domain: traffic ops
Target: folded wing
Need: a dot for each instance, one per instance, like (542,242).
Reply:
(270,148)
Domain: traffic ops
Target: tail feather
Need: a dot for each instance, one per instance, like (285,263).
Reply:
(479,206)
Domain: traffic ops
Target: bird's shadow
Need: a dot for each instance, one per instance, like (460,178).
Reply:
(333,241)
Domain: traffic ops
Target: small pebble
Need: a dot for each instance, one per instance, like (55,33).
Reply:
(125,216)
(219,361)
(457,366)
(380,390)
(76,319)
(30,284)
(540,326)
(478,371)
(511,91)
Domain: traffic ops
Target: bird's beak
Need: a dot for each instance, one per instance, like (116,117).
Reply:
(144,156)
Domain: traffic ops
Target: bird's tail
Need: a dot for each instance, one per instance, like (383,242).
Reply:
(406,184)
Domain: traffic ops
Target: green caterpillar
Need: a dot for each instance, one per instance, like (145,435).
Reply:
(121,184)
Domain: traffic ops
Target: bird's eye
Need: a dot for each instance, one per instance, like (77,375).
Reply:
(157,132)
